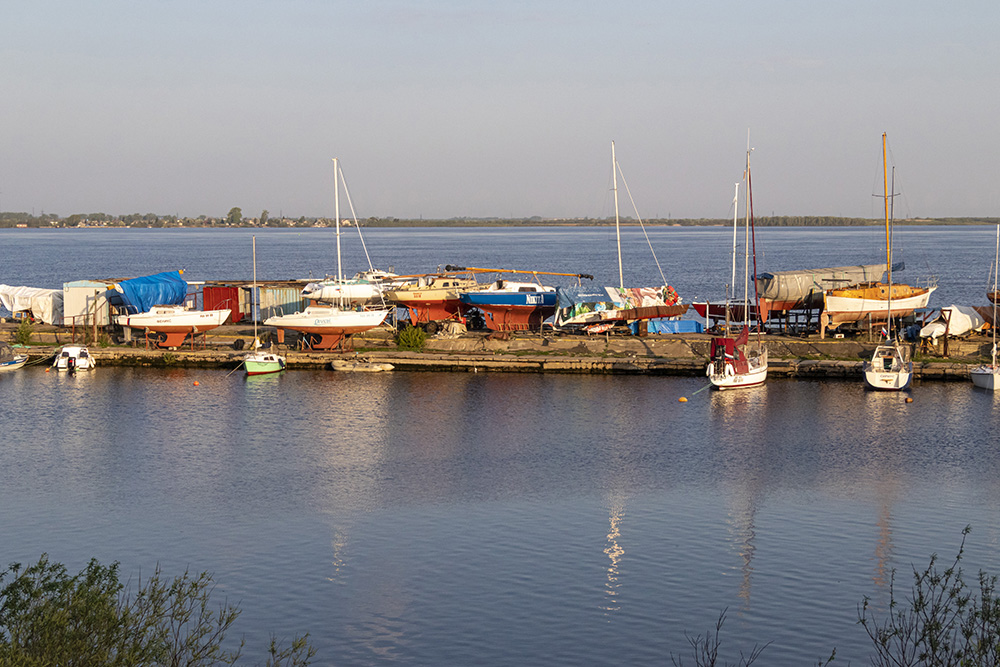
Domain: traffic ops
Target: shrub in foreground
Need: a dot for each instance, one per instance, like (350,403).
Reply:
(48,617)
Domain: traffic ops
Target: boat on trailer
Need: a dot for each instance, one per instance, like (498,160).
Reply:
(174,322)
(328,326)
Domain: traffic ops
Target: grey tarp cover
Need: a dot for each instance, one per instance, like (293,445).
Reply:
(797,285)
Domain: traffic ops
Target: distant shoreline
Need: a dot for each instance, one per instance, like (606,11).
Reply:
(102,221)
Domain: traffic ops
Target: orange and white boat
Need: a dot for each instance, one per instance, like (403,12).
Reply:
(175,322)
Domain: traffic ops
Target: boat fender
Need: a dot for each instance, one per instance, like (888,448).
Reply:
(708,370)
(729,371)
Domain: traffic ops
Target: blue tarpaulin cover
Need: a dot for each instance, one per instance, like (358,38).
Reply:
(139,295)
(665,326)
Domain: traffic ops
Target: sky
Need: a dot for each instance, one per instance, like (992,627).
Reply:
(454,108)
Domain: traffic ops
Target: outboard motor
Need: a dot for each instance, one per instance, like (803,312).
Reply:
(71,364)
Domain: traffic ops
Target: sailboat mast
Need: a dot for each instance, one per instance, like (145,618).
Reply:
(618,231)
(996,268)
(732,280)
(746,243)
(885,197)
(336,208)
(253,295)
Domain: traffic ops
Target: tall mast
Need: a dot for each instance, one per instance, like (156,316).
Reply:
(732,280)
(254,293)
(996,268)
(336,208)
(885,197)
(888,238)
(618,232)
(746,243)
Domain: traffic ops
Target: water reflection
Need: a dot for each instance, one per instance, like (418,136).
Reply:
(615,552)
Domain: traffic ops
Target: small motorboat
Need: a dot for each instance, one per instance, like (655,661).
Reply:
(10,361)
(72,358)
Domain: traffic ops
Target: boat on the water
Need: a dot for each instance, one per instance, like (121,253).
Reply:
(328,326)
(735,363)
(890,366)
(72,358)
(174,322)
(360,366)
(9,361)
(986,375)
(258,361)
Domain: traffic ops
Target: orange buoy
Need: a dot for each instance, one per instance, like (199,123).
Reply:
(682,400)
(909,399)
(196,383)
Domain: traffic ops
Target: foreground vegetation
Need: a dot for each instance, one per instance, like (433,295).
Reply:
(943,621)
(48,617)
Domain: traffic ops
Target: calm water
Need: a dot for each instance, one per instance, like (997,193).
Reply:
(456,519)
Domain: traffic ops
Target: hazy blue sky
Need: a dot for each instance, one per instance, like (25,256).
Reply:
(445,108)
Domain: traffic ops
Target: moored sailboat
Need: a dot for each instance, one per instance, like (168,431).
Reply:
(890,366)
(258,361)
(734,362)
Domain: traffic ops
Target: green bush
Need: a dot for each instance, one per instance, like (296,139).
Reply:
(411,338)
(22,335)
(48,617)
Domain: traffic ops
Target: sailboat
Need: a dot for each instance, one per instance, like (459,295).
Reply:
(890,366)
(734,363)
(985,376)
(328,326)
(258,361)
(600,308)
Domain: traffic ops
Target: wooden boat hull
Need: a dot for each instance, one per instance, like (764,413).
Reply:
(872,301)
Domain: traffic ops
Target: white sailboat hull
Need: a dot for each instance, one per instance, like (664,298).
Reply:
(888,369)
(730,379)
(985,377)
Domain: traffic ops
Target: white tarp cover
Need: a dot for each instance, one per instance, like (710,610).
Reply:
(43,304)
(960,321)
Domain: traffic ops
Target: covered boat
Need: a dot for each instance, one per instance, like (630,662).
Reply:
(9,361)
(42,304)
(589,306)
(953,321)
(803,289)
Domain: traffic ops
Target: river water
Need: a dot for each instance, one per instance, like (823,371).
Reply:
(502,519)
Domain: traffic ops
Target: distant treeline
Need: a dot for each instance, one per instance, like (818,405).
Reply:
(235,219)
